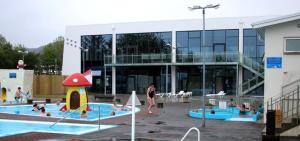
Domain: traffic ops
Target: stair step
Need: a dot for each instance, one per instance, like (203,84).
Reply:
(285,138)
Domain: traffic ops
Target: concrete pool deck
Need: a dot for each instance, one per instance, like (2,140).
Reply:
(168,124)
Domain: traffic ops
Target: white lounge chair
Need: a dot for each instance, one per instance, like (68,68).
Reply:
(221,93)
(160,94)
(181,93)
(188,94)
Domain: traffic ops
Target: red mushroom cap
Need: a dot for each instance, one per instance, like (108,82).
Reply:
(76,79)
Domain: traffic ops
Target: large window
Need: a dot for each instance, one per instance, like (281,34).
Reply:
(93,50)
(254,49)
(95,47)
(254,46)
(139,78)
(190,42)
(144,43)
(292,45)
(218,78)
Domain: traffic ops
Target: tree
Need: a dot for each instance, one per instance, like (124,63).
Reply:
(51,57)
(9,55)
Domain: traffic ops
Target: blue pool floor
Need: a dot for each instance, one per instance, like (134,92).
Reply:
(13,127)
(229,114)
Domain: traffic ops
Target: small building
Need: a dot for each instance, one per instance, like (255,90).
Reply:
(11,79)
(282,53)
(76,94)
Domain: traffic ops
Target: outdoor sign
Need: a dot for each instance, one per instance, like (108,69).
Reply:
(96,73)
(12,75)
(274,62)
(222,104)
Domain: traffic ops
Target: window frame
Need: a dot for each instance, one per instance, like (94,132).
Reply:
(285,45)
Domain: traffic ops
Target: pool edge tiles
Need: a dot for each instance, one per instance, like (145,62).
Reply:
(52,129)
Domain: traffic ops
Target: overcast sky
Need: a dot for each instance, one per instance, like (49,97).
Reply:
(37,22)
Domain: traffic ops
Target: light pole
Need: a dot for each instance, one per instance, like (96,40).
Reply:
(84,50)
(23,53)
(195,7)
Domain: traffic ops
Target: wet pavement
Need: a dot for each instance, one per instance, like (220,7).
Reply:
(168,124)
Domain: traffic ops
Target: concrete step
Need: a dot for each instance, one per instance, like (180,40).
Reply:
(283,138)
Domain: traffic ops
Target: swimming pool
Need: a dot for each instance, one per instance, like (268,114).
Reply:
(228,114)
(105,111)
(12,127)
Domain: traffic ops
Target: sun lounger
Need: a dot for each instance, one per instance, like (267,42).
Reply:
(221,93)
(160,94)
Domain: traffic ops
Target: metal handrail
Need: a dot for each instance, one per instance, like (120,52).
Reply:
(68,115)
(288,109)
(193,128)
(250,83)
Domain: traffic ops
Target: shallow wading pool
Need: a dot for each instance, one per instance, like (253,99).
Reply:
(104,108)
(228,114)
(12,127)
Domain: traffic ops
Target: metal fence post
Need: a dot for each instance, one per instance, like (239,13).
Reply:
(288,106)
(298,104)
(99,119)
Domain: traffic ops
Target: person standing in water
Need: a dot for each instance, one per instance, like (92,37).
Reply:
(150,97)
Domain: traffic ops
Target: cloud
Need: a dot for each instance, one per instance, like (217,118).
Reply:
(38,22)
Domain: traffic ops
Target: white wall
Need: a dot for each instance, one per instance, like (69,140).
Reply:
(24,79)
(71,58)
(274,47)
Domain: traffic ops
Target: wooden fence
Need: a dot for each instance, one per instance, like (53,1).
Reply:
(48,86)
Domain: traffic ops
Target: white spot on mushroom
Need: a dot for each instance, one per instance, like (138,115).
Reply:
(75,80)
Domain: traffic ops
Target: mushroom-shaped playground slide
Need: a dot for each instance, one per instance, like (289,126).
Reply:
(76,94)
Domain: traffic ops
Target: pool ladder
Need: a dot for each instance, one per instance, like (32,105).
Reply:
(72,113)
(193,128)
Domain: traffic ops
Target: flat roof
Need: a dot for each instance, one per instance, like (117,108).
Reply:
(261,25)
(166,25)
(277,20)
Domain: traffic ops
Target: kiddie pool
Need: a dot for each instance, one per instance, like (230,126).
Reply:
(13,127)
(228,114)
(105,111)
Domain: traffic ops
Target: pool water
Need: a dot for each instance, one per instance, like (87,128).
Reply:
(105,111)
(12,127)
(228,114)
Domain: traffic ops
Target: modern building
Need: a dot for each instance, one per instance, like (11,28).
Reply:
(129,56)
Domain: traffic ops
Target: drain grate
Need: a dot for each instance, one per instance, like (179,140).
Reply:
(160,122)
(154,131)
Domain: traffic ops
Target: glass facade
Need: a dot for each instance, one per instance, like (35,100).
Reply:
(218,43)
(94,48)
(139,78)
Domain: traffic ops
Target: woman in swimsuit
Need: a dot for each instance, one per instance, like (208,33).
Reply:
(150,97)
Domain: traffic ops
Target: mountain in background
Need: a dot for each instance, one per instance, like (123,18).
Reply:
(38,50)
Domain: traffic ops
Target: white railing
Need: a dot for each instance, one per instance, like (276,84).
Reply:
(193,128)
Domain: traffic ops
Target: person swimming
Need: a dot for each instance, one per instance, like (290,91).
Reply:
(43,113)
(243,109)
(83,114)
(36,107)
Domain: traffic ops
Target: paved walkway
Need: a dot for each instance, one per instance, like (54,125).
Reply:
(169,123)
